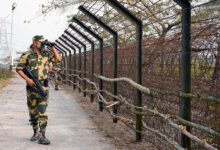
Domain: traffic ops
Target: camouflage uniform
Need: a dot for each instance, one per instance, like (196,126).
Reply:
(57,72)
(37,104)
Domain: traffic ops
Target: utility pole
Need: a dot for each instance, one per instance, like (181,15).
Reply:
(4,50)
(12,15)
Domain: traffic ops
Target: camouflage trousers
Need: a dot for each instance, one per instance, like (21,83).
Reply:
(57,78)
(37,106)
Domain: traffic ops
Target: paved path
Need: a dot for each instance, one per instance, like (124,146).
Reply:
(69,127)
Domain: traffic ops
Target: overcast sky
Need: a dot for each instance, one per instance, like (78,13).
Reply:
(51,26)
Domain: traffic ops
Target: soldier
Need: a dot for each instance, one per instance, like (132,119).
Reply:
(57,72)
(37,61)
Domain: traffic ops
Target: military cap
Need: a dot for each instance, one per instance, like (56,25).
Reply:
(38,38)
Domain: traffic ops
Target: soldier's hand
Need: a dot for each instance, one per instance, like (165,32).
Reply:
(31,82)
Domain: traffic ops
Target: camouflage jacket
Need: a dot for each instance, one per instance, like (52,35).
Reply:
(37,64)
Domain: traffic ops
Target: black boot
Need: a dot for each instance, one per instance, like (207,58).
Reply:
(43,140)
(36,135)
(56,87)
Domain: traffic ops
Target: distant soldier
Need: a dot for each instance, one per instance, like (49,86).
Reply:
(57,74)
(37,61)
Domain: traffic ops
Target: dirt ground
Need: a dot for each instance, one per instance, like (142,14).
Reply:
(4,83)
(118,133)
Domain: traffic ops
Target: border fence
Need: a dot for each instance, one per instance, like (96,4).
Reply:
(154,65)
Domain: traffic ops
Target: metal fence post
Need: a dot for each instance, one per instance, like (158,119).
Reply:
(74,62)
(82,25)
(139,32)
(69,62)
(84,47)
(65,71)
(185,103)
(70,41)
(92,54)
(115,36)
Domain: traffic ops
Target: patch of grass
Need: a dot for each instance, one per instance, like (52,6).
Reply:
(96,123)
(91,117)
(132,141)
(5,74)
(100,128)
(108,136)
(4,85)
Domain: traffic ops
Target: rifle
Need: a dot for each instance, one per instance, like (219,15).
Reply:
(37,83)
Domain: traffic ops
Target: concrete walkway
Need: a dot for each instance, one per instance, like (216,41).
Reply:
(69,127)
